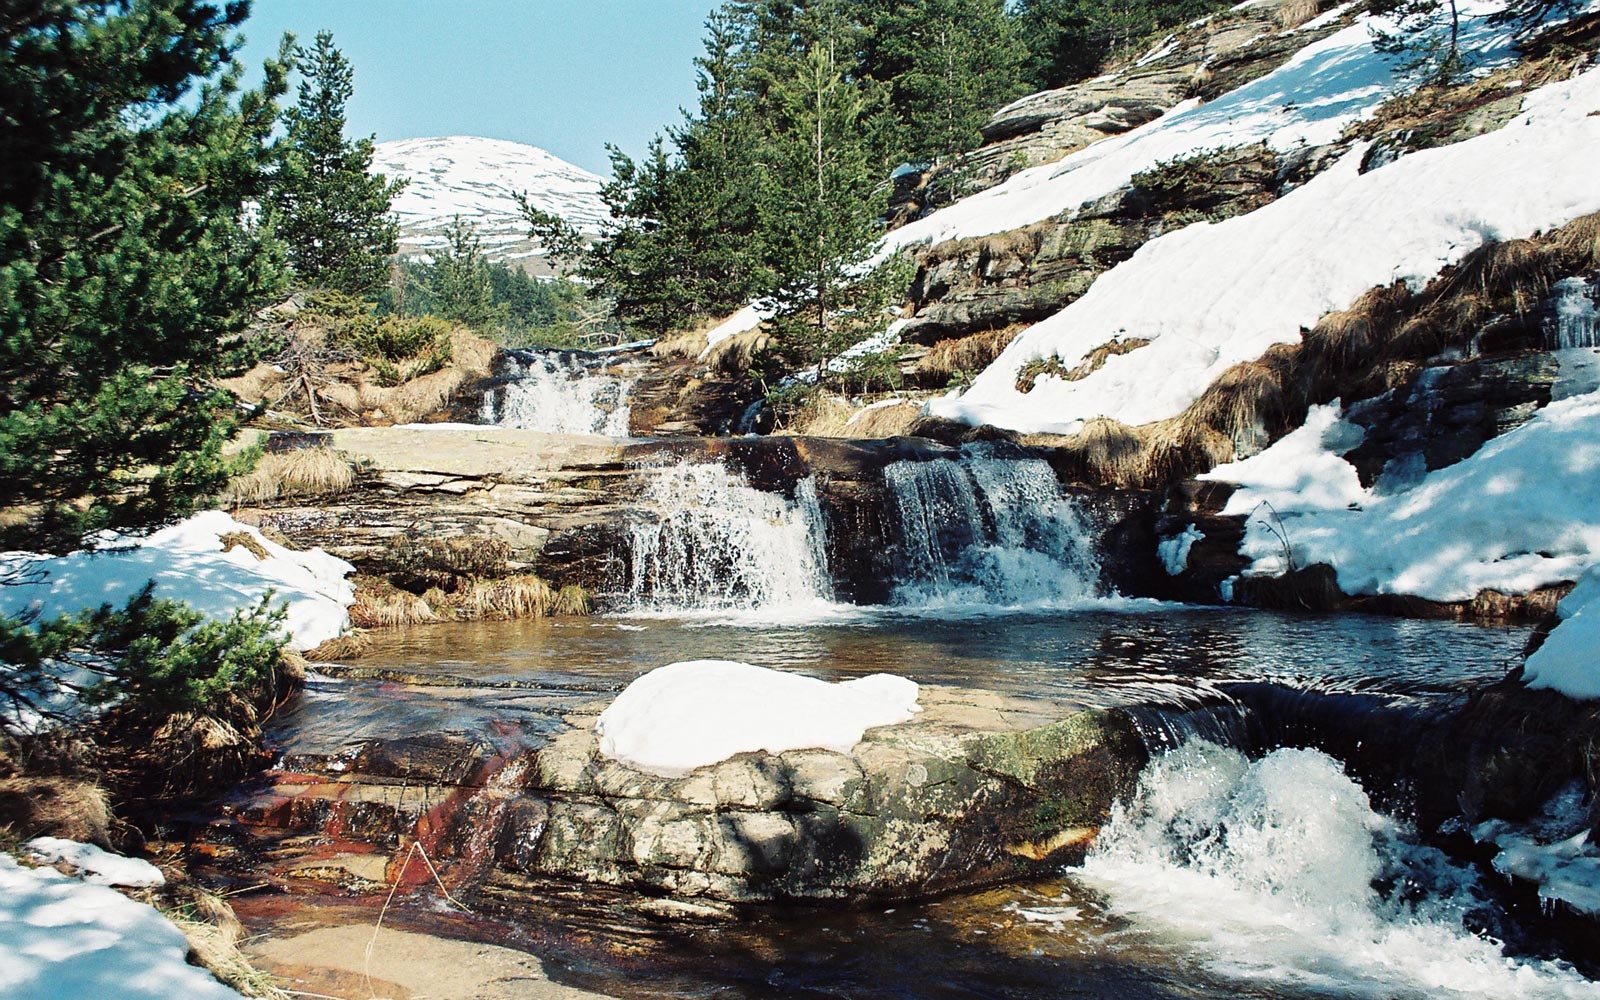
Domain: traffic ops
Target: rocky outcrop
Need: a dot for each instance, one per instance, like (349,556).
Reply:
(1207,58)
(979,788)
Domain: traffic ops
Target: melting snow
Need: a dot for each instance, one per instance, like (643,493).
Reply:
(687,715)
(1212,295)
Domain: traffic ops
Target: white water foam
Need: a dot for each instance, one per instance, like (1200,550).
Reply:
(989,531)
(718,544)
(555,393)
(1265,871)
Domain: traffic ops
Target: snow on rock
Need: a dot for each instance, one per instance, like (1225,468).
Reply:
(476,178)
(1174,551)
(1212,295)
(1520,513)
(1310,99)
(187,563)
(687,715)
(1569,660)
(743,321)
(62,939)
(95,865)
(1551,850)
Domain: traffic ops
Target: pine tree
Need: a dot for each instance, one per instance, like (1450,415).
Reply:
(128,267)
(459,284)
(329,209)
(824,211)
(947,64)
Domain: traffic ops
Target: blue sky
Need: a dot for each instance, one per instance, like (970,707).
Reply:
(565,75)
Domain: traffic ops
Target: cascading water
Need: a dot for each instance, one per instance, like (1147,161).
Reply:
(1279,871)
(1574,319)
(985,530)
(555,392)
(717,543)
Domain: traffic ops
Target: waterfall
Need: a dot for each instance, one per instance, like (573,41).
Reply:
(717,543)
(555,392)
(985,530)
(1572,320)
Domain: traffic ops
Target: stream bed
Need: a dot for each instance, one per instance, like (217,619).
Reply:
(1224,876)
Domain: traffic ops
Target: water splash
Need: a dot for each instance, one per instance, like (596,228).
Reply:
(989,531)
(1279,871)
(555,392)
(716,543)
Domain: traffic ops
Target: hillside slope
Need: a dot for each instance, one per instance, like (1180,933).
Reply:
(476,178)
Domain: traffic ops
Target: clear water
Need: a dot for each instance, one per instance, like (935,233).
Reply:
(1223,878)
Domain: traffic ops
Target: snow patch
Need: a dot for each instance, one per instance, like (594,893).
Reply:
(62,939)
(1174,551)
(97,866)
(1210,296)
(187,563)
(687,715)
(1569,659)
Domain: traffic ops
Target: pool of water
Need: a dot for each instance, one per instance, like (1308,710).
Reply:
(1224,878)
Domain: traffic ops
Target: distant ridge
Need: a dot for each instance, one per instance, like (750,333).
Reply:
(475,178)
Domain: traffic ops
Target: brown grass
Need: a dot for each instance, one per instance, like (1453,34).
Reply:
(48,806)
(512,597)
(970,354)
(1245,399)
(572,600)
(213,931)
(690,344)
(300,473)
(884,421)
(822,415)
(734,355)
(245,540)
(352,645)
(380,604)
(1294,13)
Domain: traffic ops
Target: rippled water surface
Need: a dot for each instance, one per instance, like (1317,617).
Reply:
(1175,906)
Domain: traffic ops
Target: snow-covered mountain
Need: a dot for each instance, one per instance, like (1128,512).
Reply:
(475,178)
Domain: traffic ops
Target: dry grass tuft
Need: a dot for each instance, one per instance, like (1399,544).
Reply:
(46,806)
(572,600)
(821,415)
(352,645)
(511,597)
(1241,403)
(379,604)
(1579,241)
(193,753)
(213,931)
(690,344)
(1294,13)
(734,355)
(884,421)
(245,540)
(967,355)
(300,473)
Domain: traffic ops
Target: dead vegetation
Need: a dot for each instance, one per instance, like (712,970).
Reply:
(302,472)
(966,356)
(1486,302)
(1294,13)
(734,355)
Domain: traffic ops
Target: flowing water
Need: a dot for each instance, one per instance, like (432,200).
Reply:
(1222,877)
(558,393)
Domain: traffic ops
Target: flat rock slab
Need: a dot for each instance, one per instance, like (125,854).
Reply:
(979,789)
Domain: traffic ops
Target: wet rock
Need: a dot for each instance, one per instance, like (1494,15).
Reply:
(946,802)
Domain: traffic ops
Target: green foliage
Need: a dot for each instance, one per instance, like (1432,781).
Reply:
(459,280)
(149,659)
(330,211)
(1072,40)
(948,64)
(128,268)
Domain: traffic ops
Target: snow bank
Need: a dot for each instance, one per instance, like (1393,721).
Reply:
(187,563)
(1520,513)
(1310,99)
(95,865)
(1212,295)
(1569,660)
(744,320)
(687,715)
(62,939)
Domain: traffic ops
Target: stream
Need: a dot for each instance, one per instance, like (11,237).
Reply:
(1242,866)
